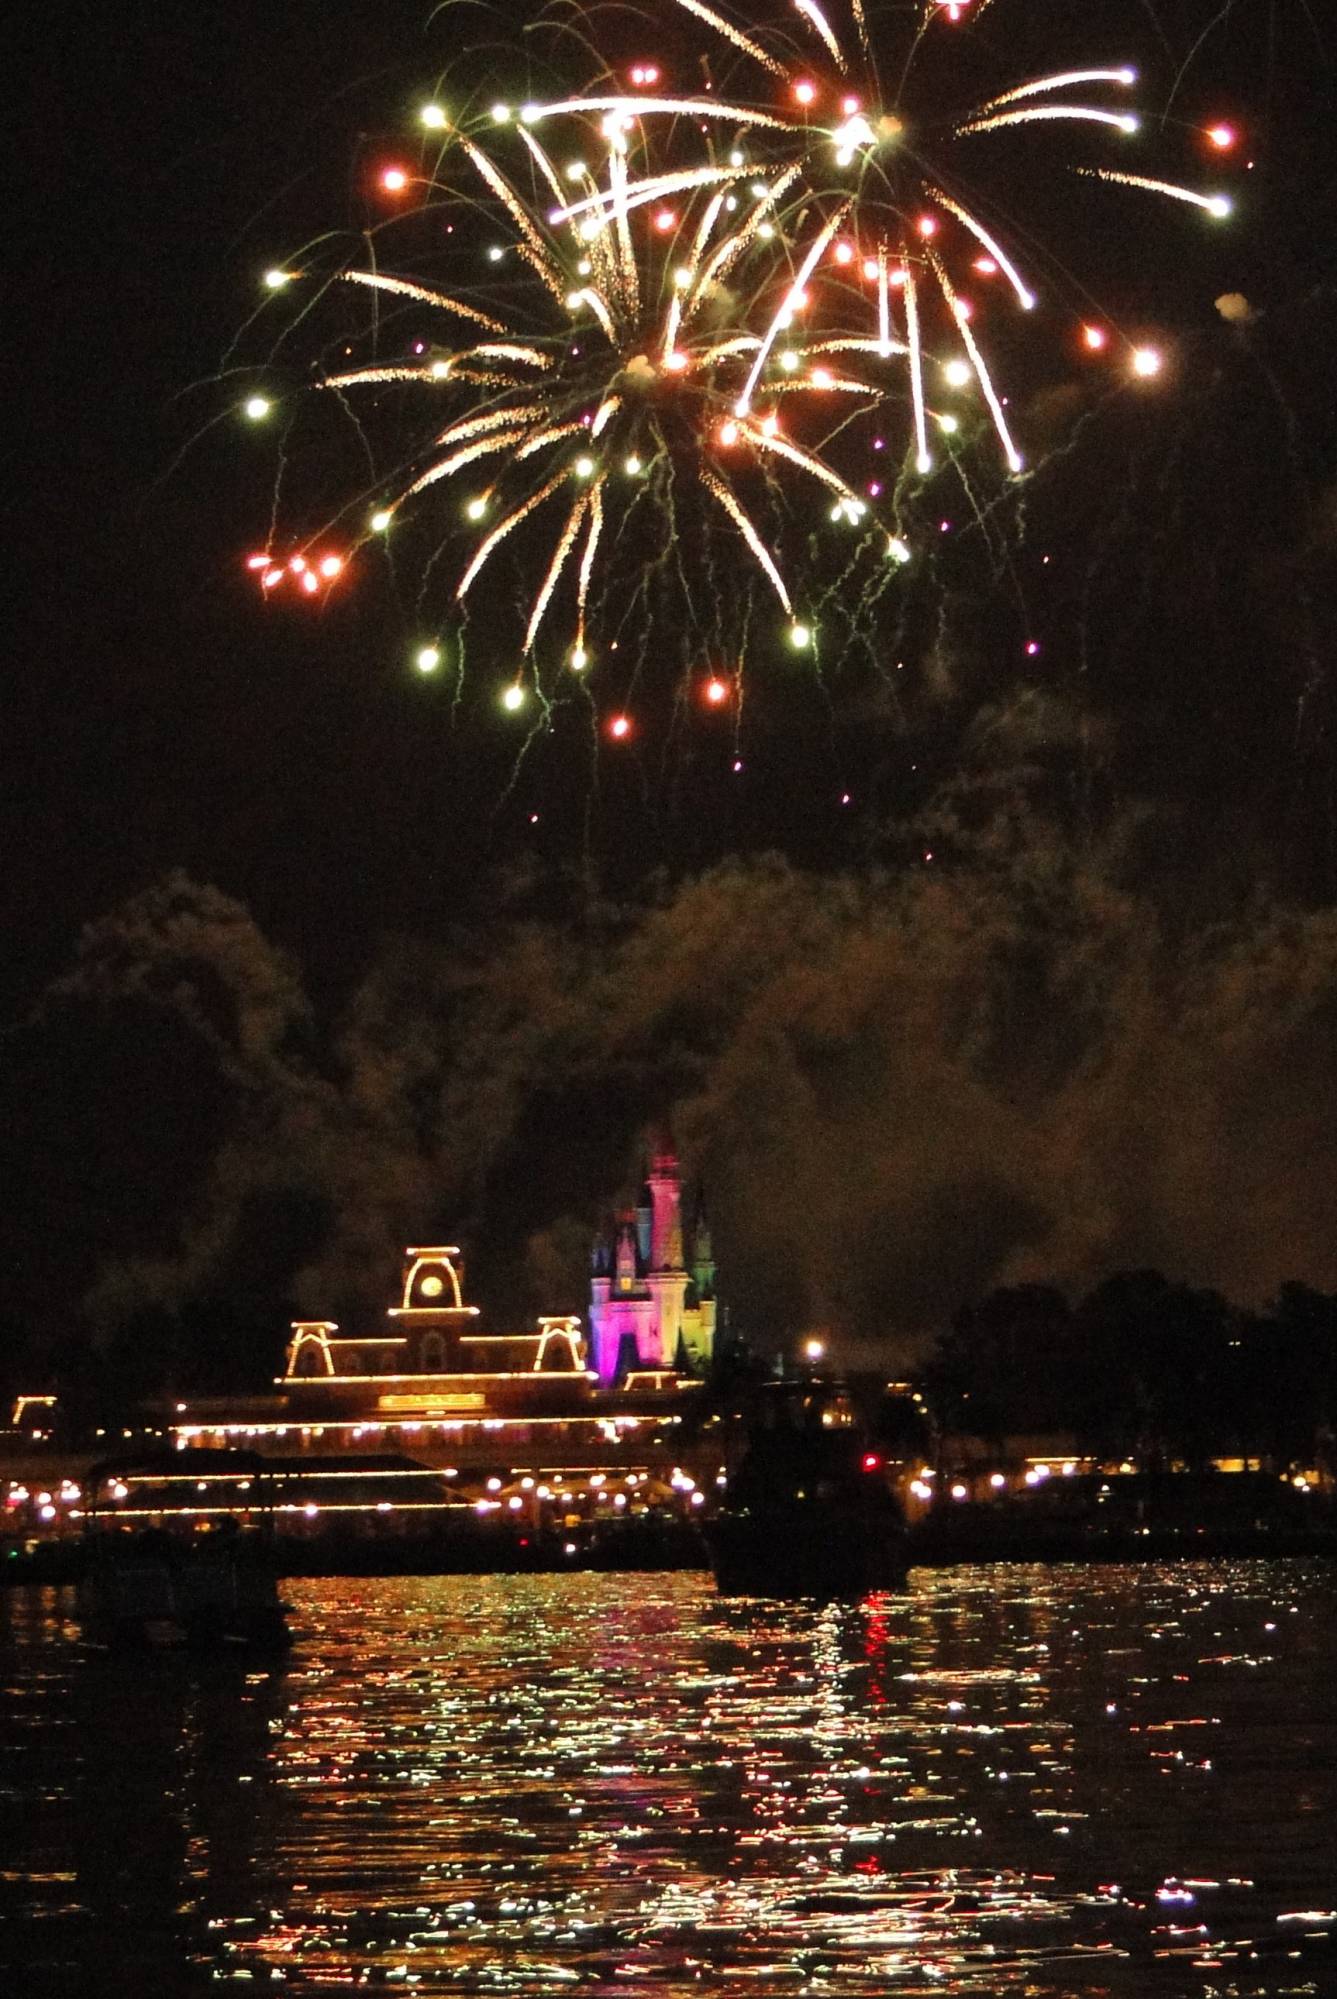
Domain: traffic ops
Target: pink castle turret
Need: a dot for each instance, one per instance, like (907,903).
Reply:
(644,1303)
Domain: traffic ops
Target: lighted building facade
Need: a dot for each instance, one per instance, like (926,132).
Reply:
(652,1301)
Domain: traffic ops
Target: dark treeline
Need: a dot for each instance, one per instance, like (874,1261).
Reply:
(1142,1368)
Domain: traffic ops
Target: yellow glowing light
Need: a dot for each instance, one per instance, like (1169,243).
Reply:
(330,565)
(433,117)
(789,361)
(729,432)
(580,659)
(514,697)
(276,280)
(501,114)
(1147,361)
(440,369)
(258,408)
(476,508)
(381,520)
(427,661)
(632,466)
(948,424)
(585,468)
(800,636)
(956,374)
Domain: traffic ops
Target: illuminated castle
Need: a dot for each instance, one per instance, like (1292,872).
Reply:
(651,1307)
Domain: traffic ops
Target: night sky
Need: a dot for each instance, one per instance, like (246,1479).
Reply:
(491,987)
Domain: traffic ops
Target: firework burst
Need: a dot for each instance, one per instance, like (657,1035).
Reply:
(616,376)
(690,300)
(883,198)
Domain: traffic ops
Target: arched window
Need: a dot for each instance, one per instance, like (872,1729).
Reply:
(432,1354)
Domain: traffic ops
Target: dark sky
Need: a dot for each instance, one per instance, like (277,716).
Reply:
(155,718)
(1174,557)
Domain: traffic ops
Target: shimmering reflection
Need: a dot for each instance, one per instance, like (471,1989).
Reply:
(1006,1781)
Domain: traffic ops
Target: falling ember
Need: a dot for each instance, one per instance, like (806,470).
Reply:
(1223,137)
(428,659)
(619,727)
(1096,338)
(716,691)
(257,408)
(394,180)
(514,697)
(1147,362)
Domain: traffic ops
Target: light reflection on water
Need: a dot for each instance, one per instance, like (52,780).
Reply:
(1006,1781)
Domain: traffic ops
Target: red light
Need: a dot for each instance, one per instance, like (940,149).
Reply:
(394,180)
(871,1461)
(927,225)
(805,92)
(717,691)
(1095,338)
(665,220)
(1222,137)
(620,727)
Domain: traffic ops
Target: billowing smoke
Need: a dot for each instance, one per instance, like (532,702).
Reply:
(902,1086)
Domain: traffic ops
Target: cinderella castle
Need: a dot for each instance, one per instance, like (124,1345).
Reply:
(652,1295)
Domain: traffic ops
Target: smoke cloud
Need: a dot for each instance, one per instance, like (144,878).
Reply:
(902,1086)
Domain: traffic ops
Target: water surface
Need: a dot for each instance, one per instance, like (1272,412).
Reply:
(1006,1781)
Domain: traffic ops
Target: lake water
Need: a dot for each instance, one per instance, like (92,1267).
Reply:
(1006,1781)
